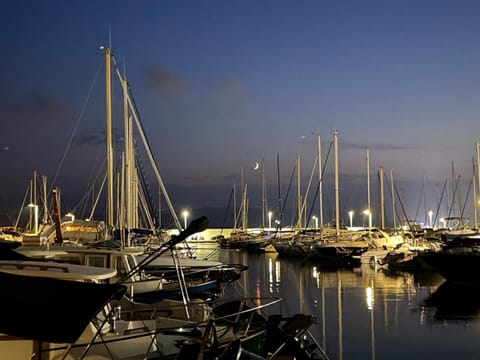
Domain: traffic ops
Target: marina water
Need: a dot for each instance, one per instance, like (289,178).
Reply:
(366,312)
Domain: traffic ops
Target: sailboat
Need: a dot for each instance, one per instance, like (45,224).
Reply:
(241,237)
(340,246)
(52,311)
(104,332)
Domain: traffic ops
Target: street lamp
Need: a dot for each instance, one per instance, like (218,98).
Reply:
(369,214)
(430,214)
(185,215)
(350,215)
(316,222)
(270,219)
(444,222)
(277,223)
(34,207)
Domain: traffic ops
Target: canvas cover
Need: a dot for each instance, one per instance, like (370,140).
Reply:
(51,310)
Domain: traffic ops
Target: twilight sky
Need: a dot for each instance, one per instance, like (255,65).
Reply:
(219,84)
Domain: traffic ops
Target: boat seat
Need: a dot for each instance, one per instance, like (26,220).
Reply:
(190,350)
(299,322)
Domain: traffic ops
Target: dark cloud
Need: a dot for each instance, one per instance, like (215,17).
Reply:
(32,121)
(26,108)
(98,137)
(230,92)
(160,80)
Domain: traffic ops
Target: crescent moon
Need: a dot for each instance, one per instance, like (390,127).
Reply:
(257,165)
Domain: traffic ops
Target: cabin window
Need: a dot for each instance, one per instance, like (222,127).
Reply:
(69,259)
(120,266)
(96,260)
(132,262)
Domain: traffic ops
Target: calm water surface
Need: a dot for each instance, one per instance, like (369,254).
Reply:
(365,312)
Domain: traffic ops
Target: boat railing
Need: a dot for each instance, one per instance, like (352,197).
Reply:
(243,314)
(205,272)
(245,309)
(34,266)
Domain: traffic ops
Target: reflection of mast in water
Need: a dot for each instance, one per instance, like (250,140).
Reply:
(324,332)
(270,275)
(340,319)
(300,290)
(273,276)
(258,293)
(244,260)
(370,292)
(316,276)
(278,275)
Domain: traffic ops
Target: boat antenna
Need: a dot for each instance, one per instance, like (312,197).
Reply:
(110,35)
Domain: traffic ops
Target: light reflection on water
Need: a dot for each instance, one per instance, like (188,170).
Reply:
(366,313)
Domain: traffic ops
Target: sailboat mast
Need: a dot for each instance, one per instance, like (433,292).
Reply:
(280,212)
(368,180)
(244,201)
(475,223)
(121,209)
(460,207)
(393,202)
(244,210)
(382,199)
(320,197)
(152,162)
(127,200)
(234,208)
(108,113)
(337,199)
(299,195)
(478,173)
(35,204)
(45,205)
(264,195)
(56,210)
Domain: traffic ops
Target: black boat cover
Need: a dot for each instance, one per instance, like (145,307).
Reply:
(7,251)
(51,310)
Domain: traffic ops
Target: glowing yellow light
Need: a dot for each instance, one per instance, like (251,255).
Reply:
(185,216)
(370,299)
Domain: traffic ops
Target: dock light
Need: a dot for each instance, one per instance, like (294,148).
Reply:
(350,215)
(430,214)
(185,216)
(368,213)
(270,214)
(34,226)
(370,298)
(316,221)
(444,222)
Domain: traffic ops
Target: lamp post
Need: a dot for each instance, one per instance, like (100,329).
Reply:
(444,222)
(277,223)
(350,215)
(185,216)
(316,222)
(34,228)
(270,219)
(369,214)
(430,214)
